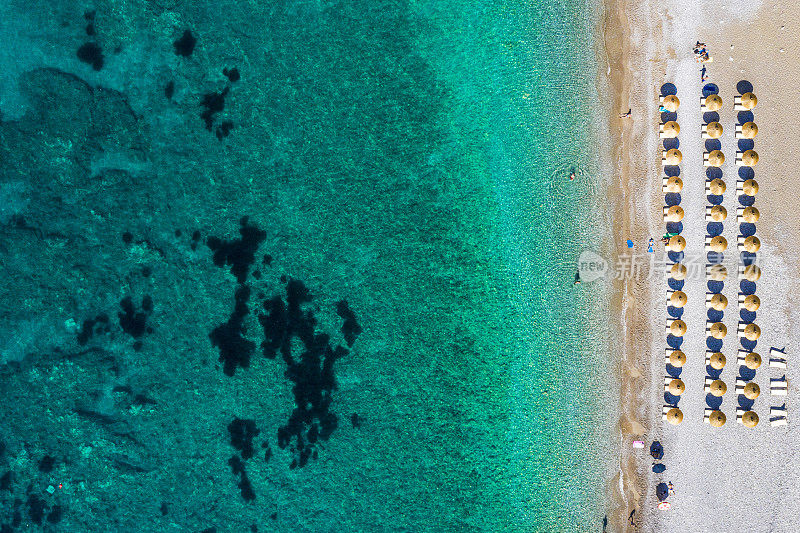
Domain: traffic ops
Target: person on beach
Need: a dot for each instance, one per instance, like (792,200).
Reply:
(630,516)
(650,245)
(572,176)
(703,76)
(624,115)
(671,489)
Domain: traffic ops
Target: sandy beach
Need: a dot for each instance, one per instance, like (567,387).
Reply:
(731,478)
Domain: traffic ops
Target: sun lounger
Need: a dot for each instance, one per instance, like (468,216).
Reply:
(740,383)
(706,162)
(707,414)
(703,103)
(664,181)
(777,410)
(707,241)
(778,386)
(741,328)
(669,323)
(739,160)
(663,157)
(777,362)
(739,210)
(708,382)
(662,134)
(740,241)
(739,413)
(742,297)
(779,421)
(664,411)
(737,105)
(776,351)
(666,211)
(667,380)
(704,132)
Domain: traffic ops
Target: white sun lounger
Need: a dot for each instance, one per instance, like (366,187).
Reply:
(777,352)
(703,103)
(740,329)
(664,157)
(666,210)
(738,131)
(777,362)
(739,159)
(704,132)
(707,414)
(777,410)
(661,134)
(664,182)
(664,411)
(742,297)
(669,323)
(739,413)
(737,106)
(778,386)
(740,383)
(667,380)
(708,382)
(708,240)
(739,210)
(740,241)
(778,421)
(706,163)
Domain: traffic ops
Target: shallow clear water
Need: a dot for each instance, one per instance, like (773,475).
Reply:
(410,158)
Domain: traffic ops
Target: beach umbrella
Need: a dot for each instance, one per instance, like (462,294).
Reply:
(752,360)
(718,213)
(749,130)
(676,387)
(716,158)
(751,303)
(751,244)
(716,187)
(656,450)
(671,129)
(717,273)
(662,491)
(674,156)
(750,187)
(671,103)
(749,158)
(675,213)
(717,418)
(751,332)
(717,361)
(749,101)
(677,358)
(718,330)
(718,244)
(713,102)
(751,273)
(674,184)
(678,299)
(718,388)
(750,214)
(750,419)
(714,130)
(677,328)
(674,416)
(677,243)
(677,271)
(751,391)
(718,302)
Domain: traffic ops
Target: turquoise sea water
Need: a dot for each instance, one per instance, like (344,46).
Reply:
(409,157)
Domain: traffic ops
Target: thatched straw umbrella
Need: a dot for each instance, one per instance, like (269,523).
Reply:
(718,244)
(717,418)
(677,271)
(752,360)
(674,214)
(750,214)
(751,391)
(749,130)
(674,184)
(718,387)
(717,273)
(677,358)
(717,361)
(750,419)
(751,273)
(676,387)
(751,332)
(713,102)
(750,187)
(677,328)
(749,101)
(677,243)
(751,244)
(674,416)
(718,330)
(716,187)
(716,158)
(670,129)
(678,299)
(749,158)
(718,302)
(718,213)
(714,130)
(673,157)
(751,303)
(671,103)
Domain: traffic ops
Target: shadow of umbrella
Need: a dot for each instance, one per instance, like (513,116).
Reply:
(662,491)
(658,468)
(656,450)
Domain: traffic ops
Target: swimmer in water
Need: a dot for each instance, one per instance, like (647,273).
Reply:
(572,174)
(577,278)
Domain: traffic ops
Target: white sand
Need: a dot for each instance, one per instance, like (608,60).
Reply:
(733,478)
